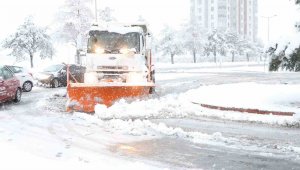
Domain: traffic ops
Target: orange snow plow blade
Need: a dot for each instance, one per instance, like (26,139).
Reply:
(83,97)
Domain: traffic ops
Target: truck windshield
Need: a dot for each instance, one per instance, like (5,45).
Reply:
(112,42)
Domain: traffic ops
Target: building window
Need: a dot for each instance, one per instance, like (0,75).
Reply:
(212,8)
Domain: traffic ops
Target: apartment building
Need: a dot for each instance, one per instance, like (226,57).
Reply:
(239,16)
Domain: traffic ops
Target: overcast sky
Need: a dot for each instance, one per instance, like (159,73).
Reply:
(156,12)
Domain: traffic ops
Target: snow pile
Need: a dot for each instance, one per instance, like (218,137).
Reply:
(248,95)
(165,107)
(244,95)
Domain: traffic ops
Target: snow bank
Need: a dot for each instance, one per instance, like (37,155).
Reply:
(248,95)
(243,95)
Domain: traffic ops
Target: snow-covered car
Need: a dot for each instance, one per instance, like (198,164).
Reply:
(56,75)
(10,88)
(24,76)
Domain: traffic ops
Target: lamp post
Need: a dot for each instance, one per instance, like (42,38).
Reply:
(268,19)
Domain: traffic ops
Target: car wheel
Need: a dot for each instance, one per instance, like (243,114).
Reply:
(27,86)
(18,96)
(54,83)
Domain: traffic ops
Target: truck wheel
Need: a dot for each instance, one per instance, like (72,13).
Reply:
(18,95)
(152,90)
(54,83)
(27,86)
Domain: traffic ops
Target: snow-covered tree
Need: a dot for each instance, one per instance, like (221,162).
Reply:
(74,19)
(232,44)
(170,43)
(249,48)
(216,44)
(106,15)
(194,39)
(293,63)
(29,40)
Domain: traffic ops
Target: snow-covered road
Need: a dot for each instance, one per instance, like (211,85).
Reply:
(161,132)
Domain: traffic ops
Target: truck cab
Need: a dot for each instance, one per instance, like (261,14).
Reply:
(117,53)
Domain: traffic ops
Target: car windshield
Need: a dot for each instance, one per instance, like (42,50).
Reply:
(112,42)
(53,68)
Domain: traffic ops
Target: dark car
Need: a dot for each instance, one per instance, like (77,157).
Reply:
(56,75)
(10,88)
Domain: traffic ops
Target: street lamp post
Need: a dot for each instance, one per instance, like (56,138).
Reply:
(268,19)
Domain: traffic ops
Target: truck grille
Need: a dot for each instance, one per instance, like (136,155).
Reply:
(112,67)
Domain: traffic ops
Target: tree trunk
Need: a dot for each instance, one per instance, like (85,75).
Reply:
(31,60)
(232,58)
(172,58)
(215,56)
(194,55)
(247,57)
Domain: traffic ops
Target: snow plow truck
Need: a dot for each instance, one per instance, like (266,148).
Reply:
(118,64)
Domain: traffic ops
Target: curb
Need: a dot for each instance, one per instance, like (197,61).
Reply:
(248,110)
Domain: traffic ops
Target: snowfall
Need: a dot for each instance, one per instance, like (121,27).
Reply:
(166,130)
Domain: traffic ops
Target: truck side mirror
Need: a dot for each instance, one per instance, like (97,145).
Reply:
(1,79)
(63,71)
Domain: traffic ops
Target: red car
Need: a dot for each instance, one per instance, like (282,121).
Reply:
(10,89)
